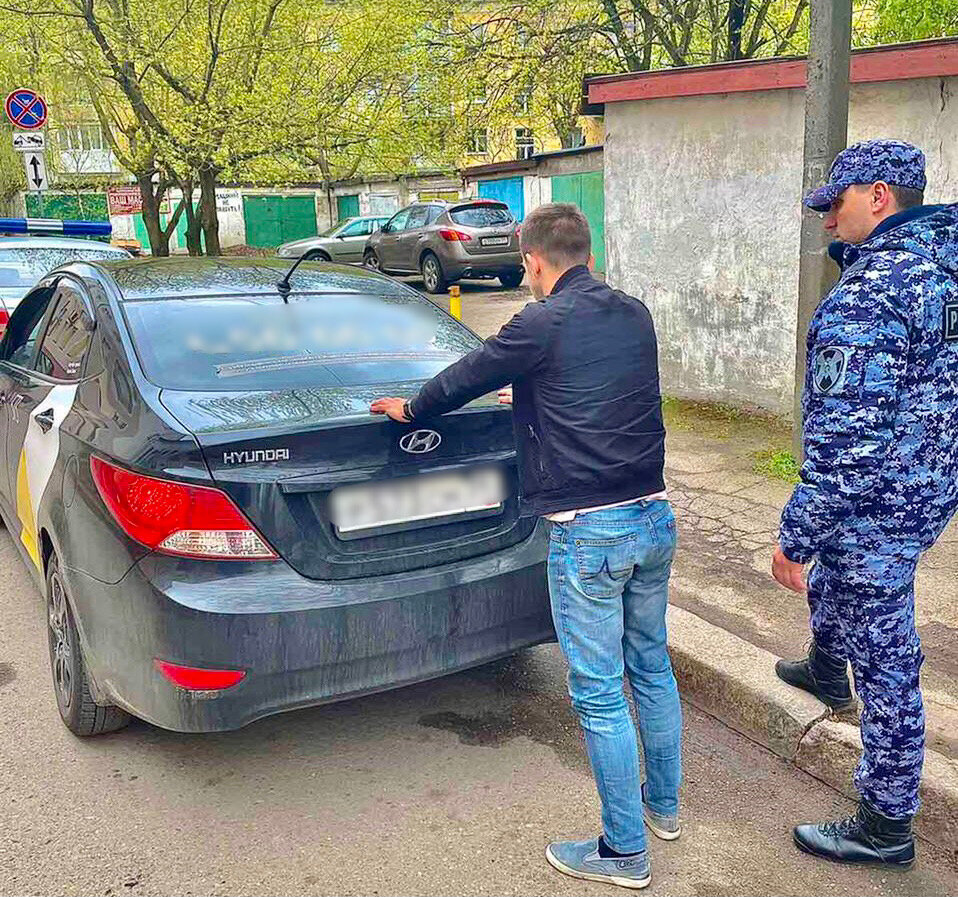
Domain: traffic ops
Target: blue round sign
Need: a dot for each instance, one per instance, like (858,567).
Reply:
(26,109)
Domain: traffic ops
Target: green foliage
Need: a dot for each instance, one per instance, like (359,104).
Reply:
(779,464)
(906,20)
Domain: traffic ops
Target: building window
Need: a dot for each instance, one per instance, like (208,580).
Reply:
(478,94)
(525,143)
(574,139)
(82,138)
(479,142)
(524,102)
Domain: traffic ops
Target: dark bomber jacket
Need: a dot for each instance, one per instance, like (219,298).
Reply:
(586,406)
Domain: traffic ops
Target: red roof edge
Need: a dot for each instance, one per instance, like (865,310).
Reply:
(897,62)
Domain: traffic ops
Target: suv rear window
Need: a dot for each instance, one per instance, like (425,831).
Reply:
(481,216)
(260,343)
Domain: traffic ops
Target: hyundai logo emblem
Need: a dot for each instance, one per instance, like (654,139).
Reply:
(420,441)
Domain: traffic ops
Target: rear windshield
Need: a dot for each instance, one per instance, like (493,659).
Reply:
(24,267)
(260,343)
(481,216)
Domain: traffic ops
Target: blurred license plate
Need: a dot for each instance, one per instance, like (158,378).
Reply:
(430,497)
(495,241)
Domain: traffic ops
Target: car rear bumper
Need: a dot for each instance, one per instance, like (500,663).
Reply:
(301,642)
(459,263)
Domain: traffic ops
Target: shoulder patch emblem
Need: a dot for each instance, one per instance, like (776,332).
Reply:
(951,322)
(831,366)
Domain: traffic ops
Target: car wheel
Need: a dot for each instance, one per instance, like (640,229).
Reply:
(321,257)
(371,261)
(433,278)
(511,279)
(81,714)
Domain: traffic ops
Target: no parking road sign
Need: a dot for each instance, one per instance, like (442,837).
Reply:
(26,109)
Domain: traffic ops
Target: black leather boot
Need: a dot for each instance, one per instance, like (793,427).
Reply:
(819,674)
(867,837)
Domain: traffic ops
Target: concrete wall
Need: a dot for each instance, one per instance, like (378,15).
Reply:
(703,217)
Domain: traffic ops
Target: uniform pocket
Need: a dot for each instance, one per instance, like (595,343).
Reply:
(604,565)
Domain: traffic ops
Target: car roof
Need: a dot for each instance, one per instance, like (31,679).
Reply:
(74,243)
(178,278)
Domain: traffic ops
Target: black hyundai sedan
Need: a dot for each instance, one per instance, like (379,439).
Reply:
(220,528)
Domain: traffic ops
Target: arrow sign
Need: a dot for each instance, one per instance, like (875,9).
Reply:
(28,141)
(36,171)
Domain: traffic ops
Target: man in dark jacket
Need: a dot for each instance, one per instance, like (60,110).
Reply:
(880,478)
(590,443)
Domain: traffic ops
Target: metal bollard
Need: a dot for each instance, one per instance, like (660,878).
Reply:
(455,302)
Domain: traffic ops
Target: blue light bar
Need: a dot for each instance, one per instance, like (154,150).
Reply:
(55,227)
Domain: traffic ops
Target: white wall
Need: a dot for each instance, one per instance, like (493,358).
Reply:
(703,216)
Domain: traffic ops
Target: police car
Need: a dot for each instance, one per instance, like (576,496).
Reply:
(220,528)
(40,244)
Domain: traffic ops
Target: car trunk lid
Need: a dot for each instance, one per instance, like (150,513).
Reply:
(281,454)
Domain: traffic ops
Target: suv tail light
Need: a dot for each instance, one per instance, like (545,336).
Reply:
(454,236)
(4,319)
(176,518)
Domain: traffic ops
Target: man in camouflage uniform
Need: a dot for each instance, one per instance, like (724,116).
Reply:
(880,477)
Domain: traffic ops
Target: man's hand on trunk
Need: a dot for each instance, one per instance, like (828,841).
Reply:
(393,407)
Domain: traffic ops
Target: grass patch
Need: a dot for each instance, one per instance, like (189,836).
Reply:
(718,421)
(779,464)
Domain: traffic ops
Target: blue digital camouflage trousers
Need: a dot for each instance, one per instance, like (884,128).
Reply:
(863,610)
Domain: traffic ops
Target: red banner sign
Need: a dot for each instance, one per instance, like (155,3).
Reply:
(129,201)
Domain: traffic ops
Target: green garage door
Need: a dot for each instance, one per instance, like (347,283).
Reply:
(588,193)
(347,206)
(271,220)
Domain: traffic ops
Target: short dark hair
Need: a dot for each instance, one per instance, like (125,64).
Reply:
(559,232)
(907,197)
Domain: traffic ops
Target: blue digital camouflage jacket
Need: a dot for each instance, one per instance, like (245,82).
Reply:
(881,395)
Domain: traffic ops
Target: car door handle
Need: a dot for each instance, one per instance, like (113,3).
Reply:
(45,420)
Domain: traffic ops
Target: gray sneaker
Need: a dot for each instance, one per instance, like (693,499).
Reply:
(665,827)
(581,859)
(662,826)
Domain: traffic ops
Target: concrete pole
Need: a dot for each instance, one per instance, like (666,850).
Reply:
(826,134)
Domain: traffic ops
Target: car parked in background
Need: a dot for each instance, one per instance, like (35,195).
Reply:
(445,242)
(220,528)
(344,242)
(24,260)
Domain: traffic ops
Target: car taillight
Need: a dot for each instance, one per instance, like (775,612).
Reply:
(198,679)
(4,317)
(176,518)
(454,236)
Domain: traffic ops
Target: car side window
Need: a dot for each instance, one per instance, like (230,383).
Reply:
(23,330)
(397,222)
(417,217)
(67,337)
(434,213)
(356,229)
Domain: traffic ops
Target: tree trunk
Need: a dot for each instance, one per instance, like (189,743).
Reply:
(209,220)
(194,242)
(736,21)
(159,241)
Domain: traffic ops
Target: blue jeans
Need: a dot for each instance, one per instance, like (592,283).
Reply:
(608,581)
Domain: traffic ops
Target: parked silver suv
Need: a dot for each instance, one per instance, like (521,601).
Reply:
(343,242)
(448,241)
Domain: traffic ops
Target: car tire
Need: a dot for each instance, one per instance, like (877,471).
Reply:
(433,278)
(322,257)
(371,261)
(71,684)
(511,279)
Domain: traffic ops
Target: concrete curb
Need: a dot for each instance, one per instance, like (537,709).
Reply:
(735,681)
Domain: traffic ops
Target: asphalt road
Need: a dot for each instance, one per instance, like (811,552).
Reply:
(452,787)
